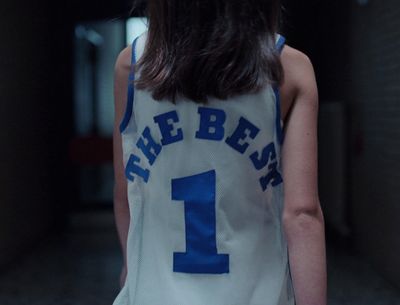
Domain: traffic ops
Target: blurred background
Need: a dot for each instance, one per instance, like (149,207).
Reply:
(58,243)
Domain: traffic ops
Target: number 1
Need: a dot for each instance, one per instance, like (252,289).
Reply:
(201,256)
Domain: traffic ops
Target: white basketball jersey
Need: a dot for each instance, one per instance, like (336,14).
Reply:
(206,198)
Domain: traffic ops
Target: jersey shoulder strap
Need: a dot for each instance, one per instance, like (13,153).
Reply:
(137,51)
(280,43)
(131,90)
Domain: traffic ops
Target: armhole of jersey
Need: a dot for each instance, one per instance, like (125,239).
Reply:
(131,91)
(280,43)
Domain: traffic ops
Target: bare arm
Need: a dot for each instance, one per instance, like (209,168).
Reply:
(121,207)
(302,217)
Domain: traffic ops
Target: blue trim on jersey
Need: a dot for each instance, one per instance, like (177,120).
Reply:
(280,44)
(279,47)
(131,91)
(279,130)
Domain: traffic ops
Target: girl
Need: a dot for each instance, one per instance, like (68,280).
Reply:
(215,151)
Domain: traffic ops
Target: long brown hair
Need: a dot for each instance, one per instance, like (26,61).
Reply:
(198,49)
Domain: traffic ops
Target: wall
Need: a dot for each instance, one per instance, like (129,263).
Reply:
(112,37)
(90,10)
(37,187)
(34,123)
(374,96)
(355,52)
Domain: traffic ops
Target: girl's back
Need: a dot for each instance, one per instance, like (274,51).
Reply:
(206,200)
(198,162)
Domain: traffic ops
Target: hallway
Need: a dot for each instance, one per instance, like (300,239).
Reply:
(81,267)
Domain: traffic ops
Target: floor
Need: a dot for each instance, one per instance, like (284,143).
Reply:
(81,267)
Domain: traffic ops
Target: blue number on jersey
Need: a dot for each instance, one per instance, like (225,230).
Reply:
(201,256)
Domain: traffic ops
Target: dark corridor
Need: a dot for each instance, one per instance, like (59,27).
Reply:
(58,242)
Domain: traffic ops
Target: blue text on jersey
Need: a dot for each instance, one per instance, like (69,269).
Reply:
(211,128)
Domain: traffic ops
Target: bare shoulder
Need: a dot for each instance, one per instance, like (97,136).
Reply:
(299,81)
(121,76)
(293,56)
(299,71)
(123,62)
